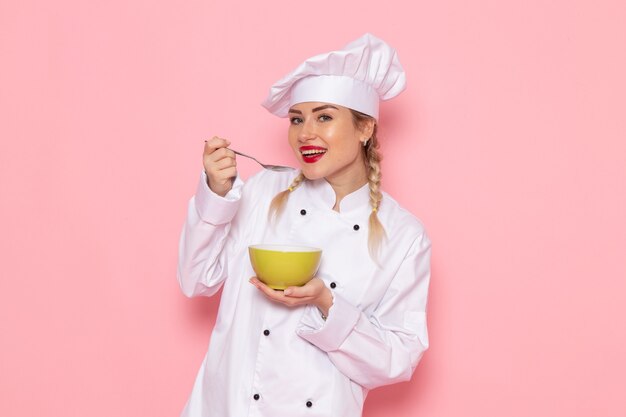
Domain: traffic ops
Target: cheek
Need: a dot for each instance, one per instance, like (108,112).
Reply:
(349,144)
(345,153)
(341,136)
(292,138)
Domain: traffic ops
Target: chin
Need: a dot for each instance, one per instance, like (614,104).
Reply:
(311,173)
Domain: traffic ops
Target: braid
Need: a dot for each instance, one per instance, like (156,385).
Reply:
(278,203)
(376,229)
(372,165)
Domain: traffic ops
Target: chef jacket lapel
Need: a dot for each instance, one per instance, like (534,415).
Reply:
(342,236)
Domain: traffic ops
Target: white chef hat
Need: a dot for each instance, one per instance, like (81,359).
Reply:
(364,72)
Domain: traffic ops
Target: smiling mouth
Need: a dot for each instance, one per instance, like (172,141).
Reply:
(312,154)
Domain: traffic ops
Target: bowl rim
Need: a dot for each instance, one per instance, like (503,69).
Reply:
(278,248)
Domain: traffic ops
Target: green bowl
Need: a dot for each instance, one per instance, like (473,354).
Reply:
(282,266)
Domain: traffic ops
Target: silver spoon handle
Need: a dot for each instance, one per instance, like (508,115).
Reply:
(266,166)
(247,156)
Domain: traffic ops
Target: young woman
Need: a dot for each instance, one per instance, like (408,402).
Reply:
(318,349)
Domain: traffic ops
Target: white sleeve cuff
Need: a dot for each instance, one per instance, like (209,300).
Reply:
(213,208)
(329,335)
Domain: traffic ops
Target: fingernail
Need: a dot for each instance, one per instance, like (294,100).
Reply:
(288,291)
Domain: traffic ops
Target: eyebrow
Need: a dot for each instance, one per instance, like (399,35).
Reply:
(325,106)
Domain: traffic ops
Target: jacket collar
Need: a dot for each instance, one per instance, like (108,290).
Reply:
(321,193)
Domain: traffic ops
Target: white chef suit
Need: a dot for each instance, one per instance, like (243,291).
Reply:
(267,359)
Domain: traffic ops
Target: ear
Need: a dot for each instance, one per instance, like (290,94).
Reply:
(368,128)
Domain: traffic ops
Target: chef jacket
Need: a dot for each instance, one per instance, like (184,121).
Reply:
(267,359)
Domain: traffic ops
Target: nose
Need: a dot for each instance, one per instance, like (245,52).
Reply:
(307,131)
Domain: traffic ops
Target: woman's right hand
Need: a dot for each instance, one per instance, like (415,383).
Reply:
(220,165)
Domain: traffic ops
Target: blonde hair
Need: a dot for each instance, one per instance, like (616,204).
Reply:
(277,206)
(372,165)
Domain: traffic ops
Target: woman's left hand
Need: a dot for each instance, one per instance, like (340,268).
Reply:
(313,292)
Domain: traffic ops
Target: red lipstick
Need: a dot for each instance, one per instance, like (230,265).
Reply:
(311,154)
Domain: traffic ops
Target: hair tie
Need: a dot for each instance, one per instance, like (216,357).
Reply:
(290,189)
(374,210)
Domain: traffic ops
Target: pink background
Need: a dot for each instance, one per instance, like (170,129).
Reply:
(509,144)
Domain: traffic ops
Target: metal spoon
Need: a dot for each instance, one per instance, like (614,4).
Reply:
(266,166)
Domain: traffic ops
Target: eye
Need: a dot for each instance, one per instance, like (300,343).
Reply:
(325,118)
(295,120)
